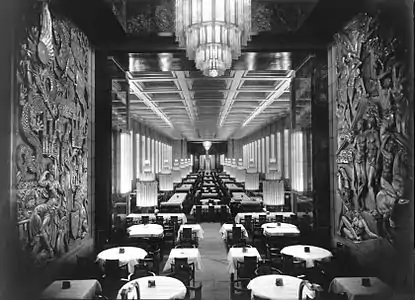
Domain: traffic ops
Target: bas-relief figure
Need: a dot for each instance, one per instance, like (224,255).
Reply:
(372,110)
(51,137)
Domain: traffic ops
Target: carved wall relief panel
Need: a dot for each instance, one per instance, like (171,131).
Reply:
(373,109)
(51,137)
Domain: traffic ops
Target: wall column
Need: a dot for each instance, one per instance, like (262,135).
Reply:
(103,121)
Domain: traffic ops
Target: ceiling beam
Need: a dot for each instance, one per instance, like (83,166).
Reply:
(182,85)
(264,42)
(230,98)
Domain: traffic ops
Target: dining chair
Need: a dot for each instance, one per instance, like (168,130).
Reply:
(247,222)
(198,213)
(266,269)
(145,220)
(183,270)
(239,289)
(188,237)
(160,220)
(194,292)
(292,266)
(279,218)
(246,269)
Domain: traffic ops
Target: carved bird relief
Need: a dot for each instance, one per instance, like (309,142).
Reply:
(45,49)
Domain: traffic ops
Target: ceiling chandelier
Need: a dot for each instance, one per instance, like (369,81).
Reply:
(213,32)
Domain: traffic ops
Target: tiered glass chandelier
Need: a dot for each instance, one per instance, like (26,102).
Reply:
(213,32)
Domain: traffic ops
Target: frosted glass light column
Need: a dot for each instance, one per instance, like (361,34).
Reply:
(273,186)
(182,168)
(233,168)
(252,177)
(240,172)
(177,177)
(166,177)
(147,187)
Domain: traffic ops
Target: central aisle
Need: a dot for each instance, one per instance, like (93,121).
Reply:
(214,277)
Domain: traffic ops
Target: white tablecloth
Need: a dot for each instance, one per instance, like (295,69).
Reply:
(227,180)
(189,180)
(240,196)
(206,201)
(284,229)
(195,228)
(352,286)
(209,195)
(80,289)
(166,288)
(178,198)
(255,215)
(130,256)
(265,287)
(208,184)
(237,254)
(146,231)
(228,227)
(184,188)
(166,216)
(192,254)
(233,187)
(315,254)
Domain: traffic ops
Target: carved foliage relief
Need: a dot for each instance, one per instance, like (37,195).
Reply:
(372,108)
(51,149)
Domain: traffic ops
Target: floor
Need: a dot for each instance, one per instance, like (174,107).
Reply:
(215,278)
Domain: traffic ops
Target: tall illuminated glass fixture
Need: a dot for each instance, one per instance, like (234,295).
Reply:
(166,178)
(273,186)
(147,187)
(227,166)
(240,172)
(233,169)
(213,32)
(252,177)
(177,176)
(183,168)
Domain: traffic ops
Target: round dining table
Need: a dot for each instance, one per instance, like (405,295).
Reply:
(130,256)
(265,287)
(165,288)
(315,254)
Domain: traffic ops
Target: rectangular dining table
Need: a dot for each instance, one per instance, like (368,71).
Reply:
(79,289)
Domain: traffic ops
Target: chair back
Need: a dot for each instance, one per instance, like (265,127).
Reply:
(236,234)
(112,268)
(262,219)
(160,220)
(279,218)
(249,266)
(174,220)
(187,233)
(145,219)
(248,222)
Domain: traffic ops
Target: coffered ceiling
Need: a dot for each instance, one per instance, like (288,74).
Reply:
(186,104)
